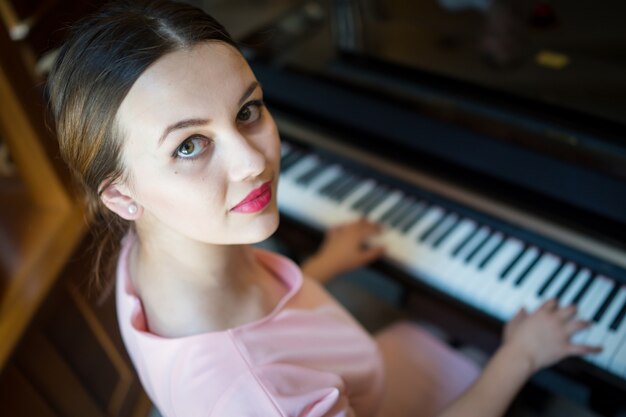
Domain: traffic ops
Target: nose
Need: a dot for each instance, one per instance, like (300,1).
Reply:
(246,160)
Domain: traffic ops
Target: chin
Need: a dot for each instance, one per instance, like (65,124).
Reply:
(266,227)
(272,225)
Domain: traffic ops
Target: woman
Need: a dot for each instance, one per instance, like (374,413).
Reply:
(162,122)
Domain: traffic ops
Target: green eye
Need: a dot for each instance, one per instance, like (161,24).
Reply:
(187,148)
(192,147)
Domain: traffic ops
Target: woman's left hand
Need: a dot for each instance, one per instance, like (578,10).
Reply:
(344,248)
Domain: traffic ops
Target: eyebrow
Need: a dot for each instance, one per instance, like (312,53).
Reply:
(183,124)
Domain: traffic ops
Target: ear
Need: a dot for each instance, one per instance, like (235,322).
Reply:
(117,198)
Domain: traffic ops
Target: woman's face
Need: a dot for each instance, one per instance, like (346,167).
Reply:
(198,141)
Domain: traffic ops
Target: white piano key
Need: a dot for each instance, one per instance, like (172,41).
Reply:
(437,263)
(431,257)
(291,193)
(535,279)
(404,246)
(613,339)
(573,289)
(492,270)
(343,211)
(617,365)
(386,238)
(304,202)
(385,205)
(432,214)
(459,233)
(362,188)
(499,300)
(301,167)
(493,242)
(447,222)
(331,173)
(552,291)
(600,334)
(414,213)
(386,218)
(416,258)
(590,303)
(475,278)
(456,271)
(479,282)
(412,216)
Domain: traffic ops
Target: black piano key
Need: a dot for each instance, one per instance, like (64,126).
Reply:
(290,160)
(293,154)
(365,198)
(429,231)
(310,174)
(567,283)
(328,188)
(511,264)
(584,289)
(374,202)
(465,241)
(331,189)
(619,317)
(338,186)
(551,279)
(347,188)
(491,254)
(389,214)
(446,233)
(520,279)
(478,247)
(605,305)
(401,215)
(414,217)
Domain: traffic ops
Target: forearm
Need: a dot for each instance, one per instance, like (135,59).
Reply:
(493,391)
(314,267)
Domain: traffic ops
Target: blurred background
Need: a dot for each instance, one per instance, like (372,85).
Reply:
(486,136)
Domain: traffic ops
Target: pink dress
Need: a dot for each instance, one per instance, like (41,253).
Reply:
(307,358)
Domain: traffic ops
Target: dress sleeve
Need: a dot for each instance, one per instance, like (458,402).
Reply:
(272,391)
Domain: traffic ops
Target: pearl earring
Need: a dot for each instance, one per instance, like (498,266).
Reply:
(132,208)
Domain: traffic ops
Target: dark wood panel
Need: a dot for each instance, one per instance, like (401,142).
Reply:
(19,398)
(50,373)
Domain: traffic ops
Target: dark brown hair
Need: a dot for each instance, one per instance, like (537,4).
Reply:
(96,67)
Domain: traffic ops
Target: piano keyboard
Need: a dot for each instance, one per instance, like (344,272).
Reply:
(469,260)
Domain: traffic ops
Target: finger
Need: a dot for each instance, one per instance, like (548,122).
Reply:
(549,305)
(520,315)
(516,320)
(371,227)
(372,253)
(576,326)
(567,313)
(583,349)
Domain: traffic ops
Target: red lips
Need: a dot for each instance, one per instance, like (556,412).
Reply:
(256,201)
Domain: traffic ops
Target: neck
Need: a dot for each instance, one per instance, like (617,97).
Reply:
(199,265)
(190,287)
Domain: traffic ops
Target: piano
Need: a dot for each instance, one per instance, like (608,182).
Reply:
(498,175)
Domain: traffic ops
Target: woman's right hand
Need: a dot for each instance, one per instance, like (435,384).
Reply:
(544,336)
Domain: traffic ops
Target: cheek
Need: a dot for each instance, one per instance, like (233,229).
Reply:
(271,141)
(181,191)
